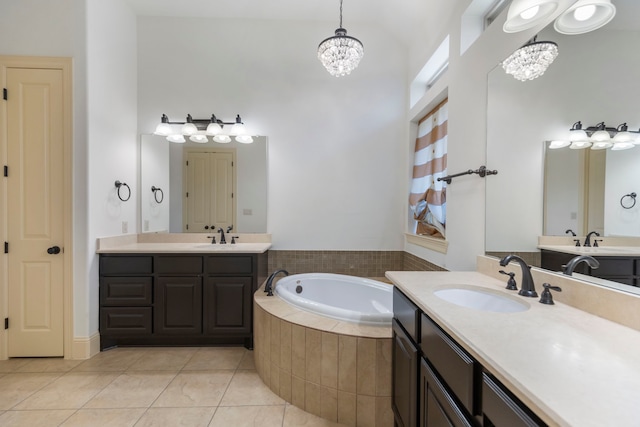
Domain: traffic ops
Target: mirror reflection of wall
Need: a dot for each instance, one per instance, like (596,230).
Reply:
(593,79)
(251,185)
(154,161)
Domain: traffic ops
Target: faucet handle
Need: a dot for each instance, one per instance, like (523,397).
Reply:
(233,239)
(511,283)
(213,239)
(547,297)
(595,242)
(577,242)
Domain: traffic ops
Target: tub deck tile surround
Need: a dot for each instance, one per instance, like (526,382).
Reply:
(336,370)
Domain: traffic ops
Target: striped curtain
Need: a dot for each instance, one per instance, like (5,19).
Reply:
(428,195)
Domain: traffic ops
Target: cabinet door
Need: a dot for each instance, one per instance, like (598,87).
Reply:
(227,305)
(404,400)
(437,407)
(178,303)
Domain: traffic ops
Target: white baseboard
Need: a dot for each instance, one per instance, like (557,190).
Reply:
(85,347)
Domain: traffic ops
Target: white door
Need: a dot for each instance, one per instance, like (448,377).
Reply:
(35,212)
(209,196)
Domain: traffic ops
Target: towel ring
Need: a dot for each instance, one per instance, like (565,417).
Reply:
(633,202)
(157,190)
(119,185)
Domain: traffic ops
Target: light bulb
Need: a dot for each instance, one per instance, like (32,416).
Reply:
(163,129)
(244,139)
(177,138)
(622,145)
(199,138)
(189,129)
(222,139)
(600,136)
(585,12)
(553,145)
(579,145)
(213,129)
(601,145)
(530,13)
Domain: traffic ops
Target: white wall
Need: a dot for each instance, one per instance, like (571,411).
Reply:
(337,147)
(112,136)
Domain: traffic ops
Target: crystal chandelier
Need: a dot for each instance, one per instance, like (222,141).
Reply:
(341,53)
(531,60)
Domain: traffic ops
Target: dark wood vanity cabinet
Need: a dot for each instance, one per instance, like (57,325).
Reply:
(621,269)
(437,383)
(178,299)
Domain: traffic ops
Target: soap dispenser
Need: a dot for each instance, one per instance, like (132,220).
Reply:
(546,297)
(511,283)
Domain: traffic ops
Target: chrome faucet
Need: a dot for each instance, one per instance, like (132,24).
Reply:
(268,288)
(573,263)
(587,240)
(528,287)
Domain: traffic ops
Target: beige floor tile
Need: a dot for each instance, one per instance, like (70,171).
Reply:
(296,417)
(14,388)
(34,418)
(192,388)
(48,364)
(104,418)
(214,358)
(116,360)
(163,360)
(248,416)
(246,389)
(176,417)
(248,361)
(12,365)
(70,391)
(132,390)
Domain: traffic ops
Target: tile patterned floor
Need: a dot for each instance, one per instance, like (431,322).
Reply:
(209,386)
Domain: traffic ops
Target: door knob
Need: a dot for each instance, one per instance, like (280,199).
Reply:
(53,250)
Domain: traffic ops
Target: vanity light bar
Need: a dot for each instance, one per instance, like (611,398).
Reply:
(599,137)
(198,130)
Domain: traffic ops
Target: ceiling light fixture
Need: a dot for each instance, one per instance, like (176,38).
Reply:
(525,14)
(531,60)
(584,16)
(599,137)
(198,130)
(340,54)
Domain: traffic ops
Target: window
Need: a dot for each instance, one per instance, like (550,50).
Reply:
(428,195)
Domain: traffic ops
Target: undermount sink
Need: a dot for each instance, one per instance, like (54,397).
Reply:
(482,300)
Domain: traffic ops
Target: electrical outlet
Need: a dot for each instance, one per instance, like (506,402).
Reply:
(146,225)
(247,212)
(125,227)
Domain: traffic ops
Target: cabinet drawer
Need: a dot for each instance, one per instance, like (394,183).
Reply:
(613,267)
(230,264)
(501,409)
(126,265)
(438,407)
(126,291)
(407,314)
(168,264)
(125,321)
(455,366)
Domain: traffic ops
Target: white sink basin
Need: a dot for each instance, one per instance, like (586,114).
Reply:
(482,300)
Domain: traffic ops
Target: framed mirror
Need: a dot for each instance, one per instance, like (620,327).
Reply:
(593,79)
(164,164)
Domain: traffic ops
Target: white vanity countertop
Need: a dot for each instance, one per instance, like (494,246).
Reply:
(132,248)
(597,251)
(570,367)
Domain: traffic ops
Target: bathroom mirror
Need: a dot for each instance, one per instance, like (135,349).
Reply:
(593,79)
(162,164)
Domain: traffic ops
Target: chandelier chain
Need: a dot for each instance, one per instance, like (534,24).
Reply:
(340,14)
